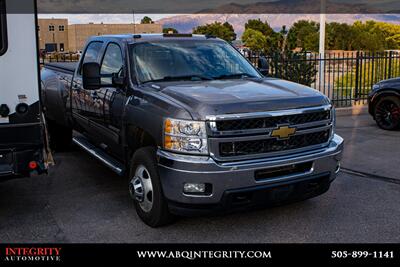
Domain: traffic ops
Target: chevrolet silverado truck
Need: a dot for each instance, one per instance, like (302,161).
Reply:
(193,124)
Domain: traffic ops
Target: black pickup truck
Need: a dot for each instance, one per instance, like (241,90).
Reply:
(384,104)
(192,124)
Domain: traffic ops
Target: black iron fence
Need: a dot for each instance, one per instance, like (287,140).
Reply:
(346,77)
(58,57)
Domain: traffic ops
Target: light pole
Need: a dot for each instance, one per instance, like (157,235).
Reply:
(134,22)
(322,26)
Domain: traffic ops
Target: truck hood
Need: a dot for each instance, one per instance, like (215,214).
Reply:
(221,97)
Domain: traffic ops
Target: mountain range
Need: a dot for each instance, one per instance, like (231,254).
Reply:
(186,23)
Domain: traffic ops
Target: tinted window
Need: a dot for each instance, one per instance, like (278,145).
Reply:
(112,62)
(92,53)
(210,59)
(3,28)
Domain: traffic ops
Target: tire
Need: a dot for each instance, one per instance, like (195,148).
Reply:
(146,190)
(387,113)
(60,137)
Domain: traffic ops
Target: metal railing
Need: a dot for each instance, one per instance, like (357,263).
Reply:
(345,77)
(58,57)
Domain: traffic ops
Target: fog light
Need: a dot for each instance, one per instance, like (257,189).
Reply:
(194,188)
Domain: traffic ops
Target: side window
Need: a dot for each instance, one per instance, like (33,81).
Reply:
(91,54)
(3,28)
(112,62)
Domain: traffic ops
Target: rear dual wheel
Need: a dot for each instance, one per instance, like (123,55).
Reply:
(387,113)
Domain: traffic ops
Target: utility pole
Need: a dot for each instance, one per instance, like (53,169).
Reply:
(322,26)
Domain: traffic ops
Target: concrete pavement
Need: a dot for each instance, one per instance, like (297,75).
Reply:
(81,201)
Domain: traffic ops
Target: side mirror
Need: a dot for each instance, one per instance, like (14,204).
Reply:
(91,78)
(263,66)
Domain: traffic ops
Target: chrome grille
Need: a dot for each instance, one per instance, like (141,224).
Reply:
(229,149)
(246,136)
(270,122)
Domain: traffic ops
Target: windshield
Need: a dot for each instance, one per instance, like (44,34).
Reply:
(170,60)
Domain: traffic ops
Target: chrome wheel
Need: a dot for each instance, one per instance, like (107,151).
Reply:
(141,188)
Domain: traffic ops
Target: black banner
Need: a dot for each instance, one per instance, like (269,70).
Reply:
(200,254)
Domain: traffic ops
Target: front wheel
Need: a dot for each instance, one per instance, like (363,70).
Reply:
(145,189)
(387,113)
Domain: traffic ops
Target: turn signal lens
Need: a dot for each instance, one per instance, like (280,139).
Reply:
(185,136)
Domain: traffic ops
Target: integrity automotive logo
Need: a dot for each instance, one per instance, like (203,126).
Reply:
(32,254)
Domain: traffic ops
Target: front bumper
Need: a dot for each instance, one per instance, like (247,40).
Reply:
(238,178)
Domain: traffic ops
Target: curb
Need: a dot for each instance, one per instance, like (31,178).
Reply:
(352,111)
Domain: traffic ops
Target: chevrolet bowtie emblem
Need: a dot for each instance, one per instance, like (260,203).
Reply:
(283,132)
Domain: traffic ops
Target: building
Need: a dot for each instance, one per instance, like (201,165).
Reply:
(53,35)
(79,33)
(56,35)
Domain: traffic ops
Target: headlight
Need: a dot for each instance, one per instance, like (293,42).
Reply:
(185,136)
(376,87)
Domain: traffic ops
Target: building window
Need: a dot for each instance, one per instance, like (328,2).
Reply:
(3,28)
(51,28)
(61,28)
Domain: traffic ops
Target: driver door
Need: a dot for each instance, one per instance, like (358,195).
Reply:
(114,98)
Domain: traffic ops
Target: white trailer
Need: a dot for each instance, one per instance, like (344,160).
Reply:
(22,131)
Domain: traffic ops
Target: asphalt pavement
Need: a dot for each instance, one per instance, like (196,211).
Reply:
(81,201)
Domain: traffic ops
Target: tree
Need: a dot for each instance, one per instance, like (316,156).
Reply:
(221,30)
(391,33)
(305,35)
(169,30)
(376,36)
(274,41)
(255,40)
(258,25)
(294,67)
(147,20)
(339,36)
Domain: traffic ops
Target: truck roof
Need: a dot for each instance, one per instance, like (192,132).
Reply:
(135,38)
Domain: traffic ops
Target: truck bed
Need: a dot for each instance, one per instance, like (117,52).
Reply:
(65,66)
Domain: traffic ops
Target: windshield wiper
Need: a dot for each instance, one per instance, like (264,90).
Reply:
(181,78)
(234,76)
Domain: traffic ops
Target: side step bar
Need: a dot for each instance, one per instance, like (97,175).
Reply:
(99,154)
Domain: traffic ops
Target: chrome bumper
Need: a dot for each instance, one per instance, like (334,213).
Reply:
(176,170)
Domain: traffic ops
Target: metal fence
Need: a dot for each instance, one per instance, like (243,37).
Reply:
(345,77)
(58,57)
